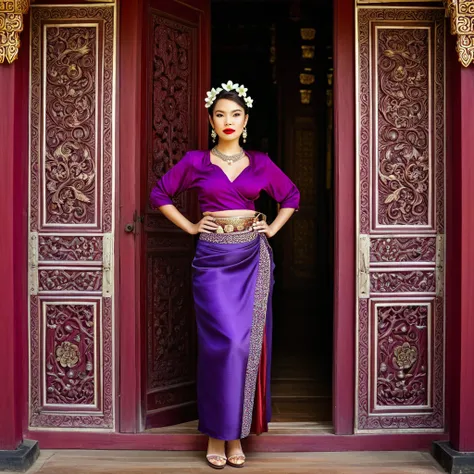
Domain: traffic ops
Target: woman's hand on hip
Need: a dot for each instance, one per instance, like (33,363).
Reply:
(263,228)
(205,225)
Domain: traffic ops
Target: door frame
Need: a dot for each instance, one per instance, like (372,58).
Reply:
(344,217)
(132,118)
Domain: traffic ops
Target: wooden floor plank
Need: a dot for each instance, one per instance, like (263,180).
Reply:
(138,462)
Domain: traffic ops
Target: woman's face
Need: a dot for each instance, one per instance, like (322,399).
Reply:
(228,119)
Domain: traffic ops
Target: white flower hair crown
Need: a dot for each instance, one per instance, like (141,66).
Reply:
(228,86)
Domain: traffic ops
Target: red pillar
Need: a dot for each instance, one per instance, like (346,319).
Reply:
(15,453)
(10,421)
(460,314)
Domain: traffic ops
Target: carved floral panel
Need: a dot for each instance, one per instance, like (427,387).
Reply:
(402,355)
(72,382)
(70,359)
(70,167)
(405,390)
(170,357)
(401,118)
(403,128)
(171,86)
(71,117)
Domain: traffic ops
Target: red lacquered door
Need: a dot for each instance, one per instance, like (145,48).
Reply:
(178,75)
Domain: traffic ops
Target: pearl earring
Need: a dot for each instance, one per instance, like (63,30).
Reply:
(213,136)
(244,134)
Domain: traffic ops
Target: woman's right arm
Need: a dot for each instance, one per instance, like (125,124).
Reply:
(178,179)
(206,224)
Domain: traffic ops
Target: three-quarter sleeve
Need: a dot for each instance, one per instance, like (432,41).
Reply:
(176,180)
(280,187)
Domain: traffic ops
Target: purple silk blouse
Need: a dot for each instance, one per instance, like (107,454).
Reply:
(216,192)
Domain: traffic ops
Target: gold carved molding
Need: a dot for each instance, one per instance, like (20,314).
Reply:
(11,25)
(461,13)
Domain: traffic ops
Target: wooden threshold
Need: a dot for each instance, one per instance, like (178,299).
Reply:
(276,428)
(301,442)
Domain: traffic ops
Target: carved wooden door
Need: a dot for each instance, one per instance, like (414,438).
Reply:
(400,359)
(71,218)
(178,74)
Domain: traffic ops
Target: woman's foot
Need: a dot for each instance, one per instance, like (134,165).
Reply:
(216,453)
(235,455)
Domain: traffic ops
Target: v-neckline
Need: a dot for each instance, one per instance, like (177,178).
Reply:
(224,173)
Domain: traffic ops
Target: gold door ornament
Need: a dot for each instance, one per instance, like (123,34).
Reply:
(11,25)
(305,96)
(462,25)
(308,33)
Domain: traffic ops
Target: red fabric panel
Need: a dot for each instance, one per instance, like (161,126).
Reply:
(259,419)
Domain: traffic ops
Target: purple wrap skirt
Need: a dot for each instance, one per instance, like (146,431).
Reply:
(232,286)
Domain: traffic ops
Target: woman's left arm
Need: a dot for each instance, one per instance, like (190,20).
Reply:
(280,187)
(280,220)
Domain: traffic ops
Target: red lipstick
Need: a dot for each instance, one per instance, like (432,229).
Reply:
(228,131)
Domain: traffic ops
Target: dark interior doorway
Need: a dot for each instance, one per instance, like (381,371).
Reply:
(281,50)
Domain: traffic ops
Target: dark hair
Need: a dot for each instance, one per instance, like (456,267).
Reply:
(230,95)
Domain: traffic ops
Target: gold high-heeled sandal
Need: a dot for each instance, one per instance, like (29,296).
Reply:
(234,464)
(216,457)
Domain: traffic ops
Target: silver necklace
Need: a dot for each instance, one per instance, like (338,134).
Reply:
(229,158)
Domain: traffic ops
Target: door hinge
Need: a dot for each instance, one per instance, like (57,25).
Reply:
(33,263)
(364,266)
(440,265)
(107,265)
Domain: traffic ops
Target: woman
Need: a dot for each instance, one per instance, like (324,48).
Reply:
(232,273)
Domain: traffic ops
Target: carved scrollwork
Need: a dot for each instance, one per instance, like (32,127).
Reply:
(172,81)
(168,331)
(70,364)
(70,280)
(11,25)
(70,248)
(404,171)
(70,162)
(462,25)
(403,249)
(414,281)
(402,355)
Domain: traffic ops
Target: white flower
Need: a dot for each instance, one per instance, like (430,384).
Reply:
(242,91)
(214,92)
(229,86)
(211,96)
